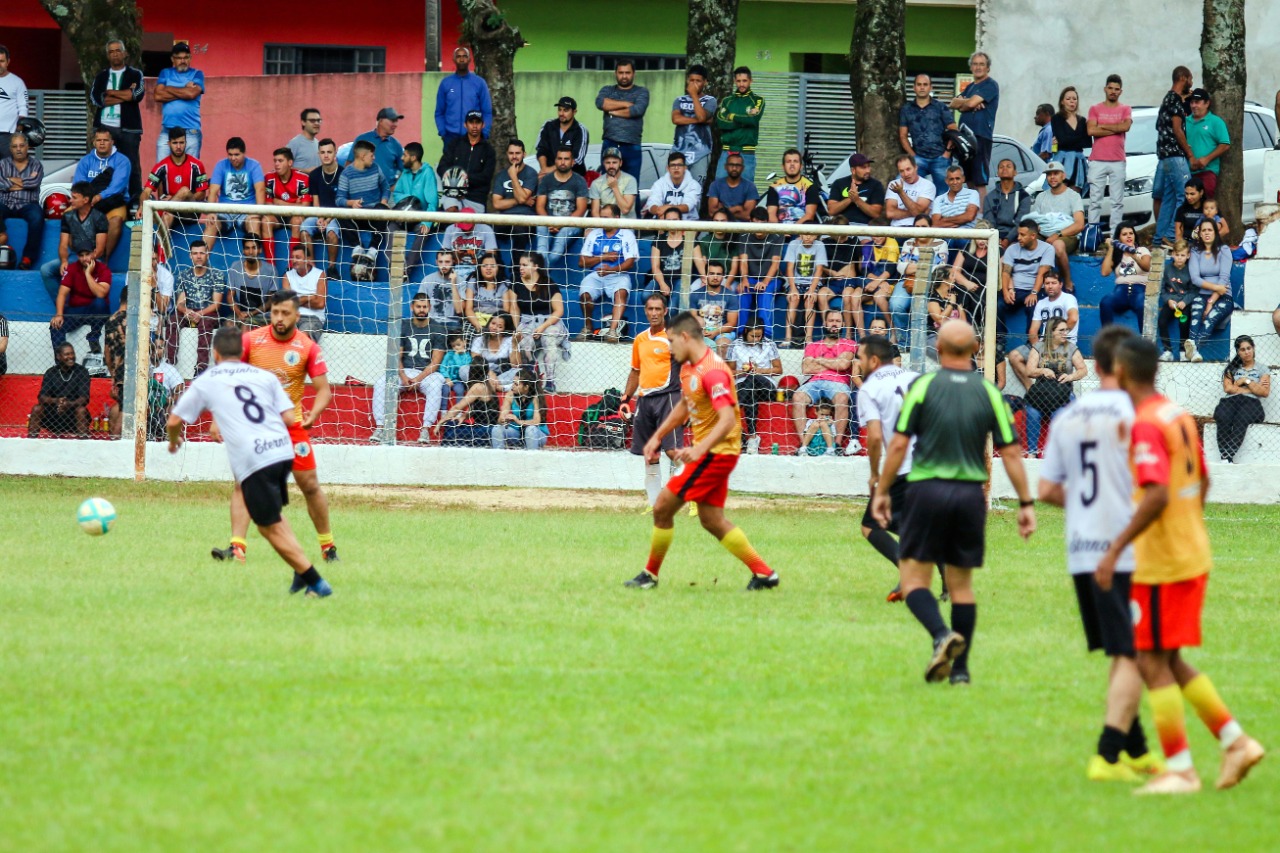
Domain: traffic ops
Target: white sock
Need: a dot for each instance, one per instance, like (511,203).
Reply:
(1229,733)
(1180,762)
(652,481)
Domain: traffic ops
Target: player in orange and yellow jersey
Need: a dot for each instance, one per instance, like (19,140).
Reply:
(709,401)
(1172,562)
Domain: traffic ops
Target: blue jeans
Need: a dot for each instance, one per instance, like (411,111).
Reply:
(1172,174)
(465,435)
(1126,298)
(748,166)
(553,249)
(94,315)
(514,435)
(630,151)
(762,303)
(1203,325)
(1006,312)
(52,279)
(935,169)
(900,312)
(33,215)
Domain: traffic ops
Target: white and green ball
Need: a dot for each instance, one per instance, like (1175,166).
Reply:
(96,516)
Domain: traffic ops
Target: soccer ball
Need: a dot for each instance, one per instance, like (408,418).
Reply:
(95,516)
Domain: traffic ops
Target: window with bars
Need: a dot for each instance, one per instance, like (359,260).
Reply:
(322,59)
(586,61)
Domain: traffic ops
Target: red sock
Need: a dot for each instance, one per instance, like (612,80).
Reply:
(269,250)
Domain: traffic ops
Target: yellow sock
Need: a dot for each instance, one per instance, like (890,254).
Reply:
(326,539)
(1171,725)
(239,540)
(1213,712)
(658,545)
(737,544)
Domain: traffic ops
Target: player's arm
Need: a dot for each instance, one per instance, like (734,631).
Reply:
(1151,458)
(892,462)
(1011,456)
(726,420)
(875,449)
(323,396)
(1051,493)
(633,384)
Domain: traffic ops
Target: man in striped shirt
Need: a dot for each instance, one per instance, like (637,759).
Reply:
(20,177)
(958,207)
(363,186)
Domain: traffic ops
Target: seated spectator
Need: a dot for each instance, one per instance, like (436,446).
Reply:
(1059,213)
(1054,365)
(249,285)
(421,368)
(943,305)
(363,186)
(717,246)
(1017,378)
(717,306)
(489,293)
(115,335)
(1209,211)
(828,366)
(969,274)
(445,289)
(324,189)
(842,274)
(20,179)
(666,260)
(164,317)
(541,334)
(1176,295)
(562,193)
(62,407)
(908,195)
(285,187)
(494,348)
(756,366)
(614,187)
(521,418)
(1007,203)
(82,229)
(958,206)
(82,301)
(610,254)
(164,387)
(178,177)
(107,170)
(792,198)
(417,181)
(676,190)
(473,154)
(1130,263)
(236,179)
(733,195)
(311,285)
(879,265)
(1054,302)
(455,366)
(515,192)
(818,438)
(908,262)
(1244,382)
(858,197)
(760,256)
(468,241)
(1211,272)
(1190,212)
(470,420)
(199,291)
(806,264)
(1022,269)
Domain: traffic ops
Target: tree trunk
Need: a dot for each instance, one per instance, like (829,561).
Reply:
(88,25)
(494,43)
(877,65)
(712,40)
(1222,57)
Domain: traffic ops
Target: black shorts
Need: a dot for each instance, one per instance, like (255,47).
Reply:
(266,492)
(897,502)
(650,411)
(1107,617)
(945,522)
(978,169)
(59,422)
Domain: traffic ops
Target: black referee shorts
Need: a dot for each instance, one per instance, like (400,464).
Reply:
(945,522)
(1106,615)
(266,492)
(651,410)
(897,503)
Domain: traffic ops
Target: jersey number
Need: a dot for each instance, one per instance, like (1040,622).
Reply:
(253,410)
(1089,469)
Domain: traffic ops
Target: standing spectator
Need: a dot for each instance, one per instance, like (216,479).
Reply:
(474,155)
(363,186)
(515,192)
(1243,384)
(416,181)
(200,291)
(1071,135)
(562,193)
(563,131)
(732,192)
(610,254)
(115,94)
(1211,272)
(1007,204)
(1209,140)
(978,104)
(677,190)
(1043,146)
(20,178)
(756,364)
(250,284)
(236,179)
(108,171)
(309,283)
(459,94)
(13,101)
(859,197)
(828,364)
(83,228)
(958,206)
(921,124)
(1173,153)
(624,105)
(806,260)
(692,114)
(908,195)
(793,198)
(324,189)
(82,301)
(422,345)
(1176,295)
(738,118)
(63,404)
(284,187)
(758,262)
(1055,302)
(1130,264)
(1023,268)
(306,146)
(540,331)
(178,177)
(180,89)
(1059,213)
(614,186)
(1109,124)
(387,150)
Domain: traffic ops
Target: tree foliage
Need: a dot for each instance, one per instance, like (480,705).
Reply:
(494,42)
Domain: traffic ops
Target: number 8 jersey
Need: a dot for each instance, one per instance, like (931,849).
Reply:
(1088,453)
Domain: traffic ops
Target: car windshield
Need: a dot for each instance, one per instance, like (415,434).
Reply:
(1141,138)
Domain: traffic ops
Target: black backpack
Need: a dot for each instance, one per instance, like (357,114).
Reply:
(602,427)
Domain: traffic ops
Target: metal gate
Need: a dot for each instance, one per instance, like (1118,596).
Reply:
(65,117)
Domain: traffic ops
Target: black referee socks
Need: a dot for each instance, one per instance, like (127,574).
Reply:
(924,607)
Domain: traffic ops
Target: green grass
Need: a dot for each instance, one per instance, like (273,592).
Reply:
(482,681)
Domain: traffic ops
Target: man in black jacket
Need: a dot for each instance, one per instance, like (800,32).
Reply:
(564,129)
(115,94)
(474,155)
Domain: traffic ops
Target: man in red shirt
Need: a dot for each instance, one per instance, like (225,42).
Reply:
(82,300)
(285,187)
(829,364)
(177,177)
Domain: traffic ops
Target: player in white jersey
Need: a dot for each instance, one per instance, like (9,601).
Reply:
(253,414)
(1086,470)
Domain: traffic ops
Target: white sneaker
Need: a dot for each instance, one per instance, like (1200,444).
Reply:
(802,451)
(1189,351)
(753,444)
(1166,356)
(830,451)
(379,435)
(853,448)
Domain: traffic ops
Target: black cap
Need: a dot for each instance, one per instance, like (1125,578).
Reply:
(475,115)
(1199,95)
(567,102)
(179,47)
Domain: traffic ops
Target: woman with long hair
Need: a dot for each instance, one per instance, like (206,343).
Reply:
(468,422)
(495,348)
(1071,136)
(541,334)
(1129,262)
(522,419)
(1244,383)
(969,277)
(1211,272)
(943,305)
(756,365)
(1053,365)
(488,294)
(908,261)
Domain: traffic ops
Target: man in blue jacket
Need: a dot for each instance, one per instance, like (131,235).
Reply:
(108,171)
(460,93)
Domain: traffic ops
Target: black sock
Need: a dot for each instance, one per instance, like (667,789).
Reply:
(1110,744)
(311,577)
(942,573)
(964,618)
(1135,742)
(884,543)
(924,607)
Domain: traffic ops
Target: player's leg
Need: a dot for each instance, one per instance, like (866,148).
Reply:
(239,547)
(1156,667)
(664,513)
(711,514)
(964,617)
(266,492)
(318,508)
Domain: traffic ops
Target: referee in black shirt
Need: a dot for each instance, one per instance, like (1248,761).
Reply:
(949,413)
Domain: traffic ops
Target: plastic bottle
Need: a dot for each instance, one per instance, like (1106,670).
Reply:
(775,449)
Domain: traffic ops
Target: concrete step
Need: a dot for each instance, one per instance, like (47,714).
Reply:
(1261,445)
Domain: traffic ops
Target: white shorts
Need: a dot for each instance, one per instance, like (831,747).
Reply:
(311,225)
(594,284)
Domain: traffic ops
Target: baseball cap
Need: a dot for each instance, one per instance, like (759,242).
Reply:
(389,112)
(860,159)
(1054,166)
(448,203)
(475,115)
(1199,95)
(568,102)
(611,152)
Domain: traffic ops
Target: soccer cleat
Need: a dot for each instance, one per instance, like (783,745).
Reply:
(330,554)
(319,589)
(895,595)
(1148,764)
(1171,782)
(693,508)
(1237,760)
(227,554)
(1101,770)
(945,650)
(769,581)
(298,584)
(644,580)
(960,676)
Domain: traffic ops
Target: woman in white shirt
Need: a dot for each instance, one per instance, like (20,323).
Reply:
(756,365)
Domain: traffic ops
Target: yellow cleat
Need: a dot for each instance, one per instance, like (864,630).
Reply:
(1100,770)
(1149,764)
(693,508)
(1171,782)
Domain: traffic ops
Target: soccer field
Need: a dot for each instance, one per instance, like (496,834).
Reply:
(482,681)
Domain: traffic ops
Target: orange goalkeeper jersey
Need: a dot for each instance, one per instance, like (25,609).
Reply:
(291,361)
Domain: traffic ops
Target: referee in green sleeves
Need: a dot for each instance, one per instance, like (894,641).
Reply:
(949,414)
